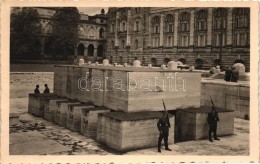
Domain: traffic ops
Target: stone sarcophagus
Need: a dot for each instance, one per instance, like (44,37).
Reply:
(89,120)
(61,111)
(129,89)
(37,103)
(130,131)
(191,124)
(74,115)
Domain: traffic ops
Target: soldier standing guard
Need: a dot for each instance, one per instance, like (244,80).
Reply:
(213,121)
(163,127)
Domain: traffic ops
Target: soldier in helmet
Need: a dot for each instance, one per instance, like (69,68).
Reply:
(213,121)
(163,127)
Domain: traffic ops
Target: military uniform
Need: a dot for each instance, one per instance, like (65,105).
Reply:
(213,121)
(163,127)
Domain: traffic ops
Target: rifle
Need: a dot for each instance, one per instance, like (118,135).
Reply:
(164,105)
(212,102)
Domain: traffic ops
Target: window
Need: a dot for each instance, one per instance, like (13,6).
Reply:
(201,20)
(156,24)
(220,19)
(137,26)
(220,39)
(184,22)
(241,39)
(112,44)
(136,44)
(169,41)
(169,23)
(113,28)
(201,40)
(184,42)
(91,32)
(101,33)
(123,44)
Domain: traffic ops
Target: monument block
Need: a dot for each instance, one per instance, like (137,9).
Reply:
(191,124)
(130,131)
(74,116)
(50,107)
(37,103)
(89,120)
(61,112)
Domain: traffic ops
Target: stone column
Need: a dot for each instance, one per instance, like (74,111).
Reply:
(161,30)
(42,51)
(229,27)
(176,22)
(86,51)
(128,23)
(191,28)
(149,31)
(116,28)
(209,27)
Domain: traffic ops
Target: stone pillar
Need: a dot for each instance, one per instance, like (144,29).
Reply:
(209,27)
(128,23)
(229,27)
(42,52)
(161,30)
(191,28)
(86,51)
(116,29)
(75,51)
(149,31)
(176,22)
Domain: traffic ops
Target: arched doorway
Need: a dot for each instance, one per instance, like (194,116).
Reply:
(91,50)
(166,61)
(81,49)
(182,60)
(217,62)
(239,61)
(153,62)
(198,63)
(100,51)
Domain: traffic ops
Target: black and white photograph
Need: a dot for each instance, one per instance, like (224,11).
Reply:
(160,81)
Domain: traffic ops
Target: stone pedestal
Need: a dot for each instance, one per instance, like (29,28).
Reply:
(74,116)
(191,124)
(89,120)
(37,103)
(50,107)
(61,112)
(130,131)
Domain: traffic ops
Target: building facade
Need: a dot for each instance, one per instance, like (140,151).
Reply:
(202,37)
(92,37)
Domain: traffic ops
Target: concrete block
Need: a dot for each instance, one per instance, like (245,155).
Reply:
(74,116)
(37,103)
(89,120)
(191,124)
(61,111)
(130,131)
(50,107)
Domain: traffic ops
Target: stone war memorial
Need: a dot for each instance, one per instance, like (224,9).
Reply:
(119,105)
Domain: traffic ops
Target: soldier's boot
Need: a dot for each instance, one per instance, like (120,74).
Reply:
(159,146)
(166,146)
